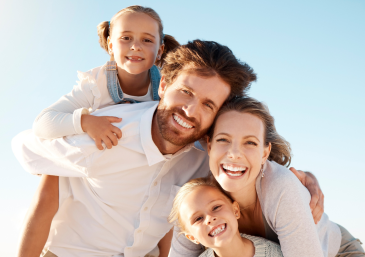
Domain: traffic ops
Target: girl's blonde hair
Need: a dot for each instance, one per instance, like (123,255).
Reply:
(280,148)
(105,29)
(187,188)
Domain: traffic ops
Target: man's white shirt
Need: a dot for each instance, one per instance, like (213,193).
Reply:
(115,201)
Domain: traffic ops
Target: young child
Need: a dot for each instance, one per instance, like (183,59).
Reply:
(208,216)
(135,41)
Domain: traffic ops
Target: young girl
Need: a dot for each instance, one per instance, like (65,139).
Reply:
(206,215)
(135,41)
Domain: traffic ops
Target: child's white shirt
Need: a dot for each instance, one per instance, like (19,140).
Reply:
(63,118)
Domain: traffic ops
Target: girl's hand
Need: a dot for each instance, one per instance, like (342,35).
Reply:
(101,130)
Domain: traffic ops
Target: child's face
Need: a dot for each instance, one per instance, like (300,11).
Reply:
(135,42)
(210,218)
(237,150)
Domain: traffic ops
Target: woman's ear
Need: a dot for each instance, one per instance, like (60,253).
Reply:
(236,209)
(192,239)
(266,153)
(162,87)
(209,146)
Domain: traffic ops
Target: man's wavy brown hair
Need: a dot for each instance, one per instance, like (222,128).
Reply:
(207,59)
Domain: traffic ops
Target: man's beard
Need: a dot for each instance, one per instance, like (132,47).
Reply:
(173,135)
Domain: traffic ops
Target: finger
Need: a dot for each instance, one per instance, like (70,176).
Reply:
(113,119)
(107,142)
(298,173)
(314,199)
(113,138)
(319,209)
(117,131)
(98,143)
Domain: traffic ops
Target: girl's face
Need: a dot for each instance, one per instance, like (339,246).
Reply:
(135,42)
(237,150)
(210,218)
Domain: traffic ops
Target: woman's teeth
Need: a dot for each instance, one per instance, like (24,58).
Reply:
(181,122)
(218,230)
(234,171)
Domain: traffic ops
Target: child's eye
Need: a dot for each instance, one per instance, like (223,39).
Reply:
(216,207)
(198,219)
(186,92)
(126,38)
(148,40)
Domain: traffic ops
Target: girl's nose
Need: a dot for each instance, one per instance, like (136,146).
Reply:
(211,219)
(136,46)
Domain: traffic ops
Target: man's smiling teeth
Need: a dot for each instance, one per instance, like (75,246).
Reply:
(218,230)
(181,122)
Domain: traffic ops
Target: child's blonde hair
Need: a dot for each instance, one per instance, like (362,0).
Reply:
(105,29)
(187,188)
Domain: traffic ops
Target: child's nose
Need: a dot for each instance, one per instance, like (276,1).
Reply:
(211,220)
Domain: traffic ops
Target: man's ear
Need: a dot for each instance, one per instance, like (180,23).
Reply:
(192,239)
(236,209)
(162,87)
(266,153)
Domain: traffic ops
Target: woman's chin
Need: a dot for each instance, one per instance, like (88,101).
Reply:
(230,185)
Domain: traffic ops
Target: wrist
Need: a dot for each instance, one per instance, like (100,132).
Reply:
(84,121)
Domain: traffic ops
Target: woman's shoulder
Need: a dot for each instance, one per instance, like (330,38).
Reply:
(264,247)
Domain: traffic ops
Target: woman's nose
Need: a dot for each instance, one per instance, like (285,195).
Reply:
(234,152)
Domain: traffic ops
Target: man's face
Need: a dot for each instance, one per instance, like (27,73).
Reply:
(188,107)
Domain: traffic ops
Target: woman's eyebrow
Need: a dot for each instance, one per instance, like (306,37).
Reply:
(251,136)
(222,134)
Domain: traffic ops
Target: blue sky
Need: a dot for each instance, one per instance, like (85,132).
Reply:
(309,57)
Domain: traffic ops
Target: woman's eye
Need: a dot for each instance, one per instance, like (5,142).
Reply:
(209,106)
(251,143)
(222,140)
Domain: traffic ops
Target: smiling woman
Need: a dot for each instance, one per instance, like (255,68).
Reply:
(246,158)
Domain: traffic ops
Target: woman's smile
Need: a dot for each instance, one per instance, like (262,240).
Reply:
(233,171)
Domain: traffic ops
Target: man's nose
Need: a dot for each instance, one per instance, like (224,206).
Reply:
(191,109)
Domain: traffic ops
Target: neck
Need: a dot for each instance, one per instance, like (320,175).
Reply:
(238,246)
(134,84)
(246,197)
(163,145)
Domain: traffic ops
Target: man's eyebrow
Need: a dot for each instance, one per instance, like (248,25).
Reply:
(206,99)
(128,31)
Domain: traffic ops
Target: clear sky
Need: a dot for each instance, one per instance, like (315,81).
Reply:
(309,57)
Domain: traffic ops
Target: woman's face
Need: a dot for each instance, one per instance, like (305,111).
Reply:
(237,150)
(135,42)
(210,218)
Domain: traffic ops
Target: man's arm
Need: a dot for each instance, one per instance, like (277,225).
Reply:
(37,223)
(165,244)
(317,197)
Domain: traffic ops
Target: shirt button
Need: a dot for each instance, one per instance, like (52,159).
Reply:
(155,184)
(146,208)
(138,231)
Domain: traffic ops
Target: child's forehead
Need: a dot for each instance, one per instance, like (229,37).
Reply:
(203,196)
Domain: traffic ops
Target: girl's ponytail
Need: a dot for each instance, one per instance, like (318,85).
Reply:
(170,44)
(103,33)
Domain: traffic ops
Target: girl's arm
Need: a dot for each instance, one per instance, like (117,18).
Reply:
(165,244)
(69,115)
(285,204)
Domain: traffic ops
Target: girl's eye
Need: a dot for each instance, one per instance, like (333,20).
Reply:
(216,207)
(186,91)
(126,38)
(198,219)
(148,40)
